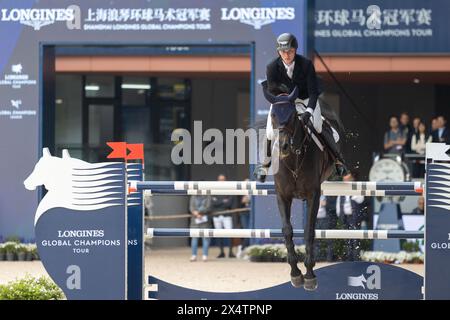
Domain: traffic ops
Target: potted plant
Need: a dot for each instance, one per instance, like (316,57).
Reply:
(278,255)
(31,288)
(267,254)
(21,252)
(301,252)
(254,252)
(283,254)
(30,248)
(34,252)
(2,252)
(10,249)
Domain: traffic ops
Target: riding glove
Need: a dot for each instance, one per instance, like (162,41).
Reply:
(305,116)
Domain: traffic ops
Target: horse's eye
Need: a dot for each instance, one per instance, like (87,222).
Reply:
(272,115)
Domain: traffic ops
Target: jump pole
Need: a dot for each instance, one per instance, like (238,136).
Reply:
(253,185)
(278,233)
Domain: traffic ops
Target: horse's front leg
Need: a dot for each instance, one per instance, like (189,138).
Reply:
(310,232)
(284,206)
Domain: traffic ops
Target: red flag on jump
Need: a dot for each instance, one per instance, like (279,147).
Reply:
(119,150)
(136,151)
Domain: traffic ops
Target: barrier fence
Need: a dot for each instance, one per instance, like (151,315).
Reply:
(260,192)
(277,233)
(107,212)
(253,188)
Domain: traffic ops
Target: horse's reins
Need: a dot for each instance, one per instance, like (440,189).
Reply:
(297,151)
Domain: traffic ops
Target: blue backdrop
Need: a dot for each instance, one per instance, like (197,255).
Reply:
(382,26)
(24,31)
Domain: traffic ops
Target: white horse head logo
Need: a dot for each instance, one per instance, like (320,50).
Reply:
(76,184)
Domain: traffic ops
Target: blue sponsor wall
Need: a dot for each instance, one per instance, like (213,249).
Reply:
(388,26)
(30,30)
(341,27)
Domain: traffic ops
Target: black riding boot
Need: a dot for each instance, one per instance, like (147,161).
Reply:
(263,168)
(327,137)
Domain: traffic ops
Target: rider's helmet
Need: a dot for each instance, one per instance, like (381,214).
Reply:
(286,41)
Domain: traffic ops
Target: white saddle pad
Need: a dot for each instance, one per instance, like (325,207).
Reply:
(316,119)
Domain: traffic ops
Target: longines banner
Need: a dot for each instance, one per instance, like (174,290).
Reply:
(28,26)
(382,26)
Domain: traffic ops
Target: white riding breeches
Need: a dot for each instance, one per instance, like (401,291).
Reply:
(316,119)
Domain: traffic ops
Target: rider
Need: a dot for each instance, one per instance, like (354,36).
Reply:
(285,72)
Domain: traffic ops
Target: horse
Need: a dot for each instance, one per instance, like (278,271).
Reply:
(302,168)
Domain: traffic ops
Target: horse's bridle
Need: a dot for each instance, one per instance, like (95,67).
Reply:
(297,151)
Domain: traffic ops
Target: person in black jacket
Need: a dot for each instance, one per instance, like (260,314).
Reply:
(223,221)
(284,73)
(442,133)
(407,130)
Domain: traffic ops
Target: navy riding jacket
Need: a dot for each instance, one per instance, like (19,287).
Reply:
(304,77)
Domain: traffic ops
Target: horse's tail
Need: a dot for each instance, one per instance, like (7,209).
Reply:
(330,114)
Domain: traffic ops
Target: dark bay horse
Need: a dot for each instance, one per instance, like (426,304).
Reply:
(302,169)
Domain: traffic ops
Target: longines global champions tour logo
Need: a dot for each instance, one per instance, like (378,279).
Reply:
(40,17)
(369,282)
(258,17)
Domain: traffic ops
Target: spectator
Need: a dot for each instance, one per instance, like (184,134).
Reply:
(148,203)
(332,220)
(244,219)
(394,139)
(322,223)
(223,221)
(405,127)
(434,124)
(418,143)
(415,128)
(404,122)
(441,134)
(420,209)
(148,209)
(200,207)
(349,211)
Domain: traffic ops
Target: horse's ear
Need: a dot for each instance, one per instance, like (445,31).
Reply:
(294,94)
(46,152)
(65,154)
(269,97)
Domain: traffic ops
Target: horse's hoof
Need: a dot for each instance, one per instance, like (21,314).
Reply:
(310,284)
(297,281)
